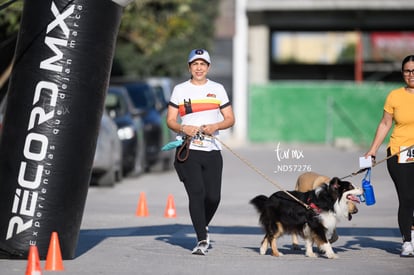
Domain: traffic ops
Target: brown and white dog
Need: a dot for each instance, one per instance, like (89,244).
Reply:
(309,181)
(281,214)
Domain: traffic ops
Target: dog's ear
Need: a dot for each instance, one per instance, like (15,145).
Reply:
(334,183)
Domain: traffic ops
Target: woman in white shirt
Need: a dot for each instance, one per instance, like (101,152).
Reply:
(203,108)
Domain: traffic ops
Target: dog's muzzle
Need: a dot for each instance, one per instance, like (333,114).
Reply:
(352,197)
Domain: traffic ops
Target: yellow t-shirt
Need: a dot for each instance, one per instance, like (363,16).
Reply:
(400,104)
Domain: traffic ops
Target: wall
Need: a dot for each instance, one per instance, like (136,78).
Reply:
(315,112)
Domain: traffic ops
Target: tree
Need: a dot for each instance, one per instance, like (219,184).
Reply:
(9,26)
(10,13)
(156,36)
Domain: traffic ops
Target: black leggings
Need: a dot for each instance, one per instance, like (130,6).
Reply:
(201,174)
(403,178)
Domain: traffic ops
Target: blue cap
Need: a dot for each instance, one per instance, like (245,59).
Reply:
(199,54)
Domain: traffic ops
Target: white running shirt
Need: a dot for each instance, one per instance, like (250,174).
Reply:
(200,105)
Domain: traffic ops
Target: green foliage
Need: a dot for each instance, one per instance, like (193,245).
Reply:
(155,37)
(10,19)
(348,54)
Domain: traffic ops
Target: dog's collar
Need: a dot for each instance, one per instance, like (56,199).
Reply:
(314,207)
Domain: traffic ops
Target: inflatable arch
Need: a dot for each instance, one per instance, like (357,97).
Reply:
(55,102)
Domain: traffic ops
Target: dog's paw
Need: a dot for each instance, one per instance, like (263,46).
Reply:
(329,253)
(263,247)
(311,254)
(277,254)
(331,256)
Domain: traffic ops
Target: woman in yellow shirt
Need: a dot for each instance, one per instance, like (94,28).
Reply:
(398,109)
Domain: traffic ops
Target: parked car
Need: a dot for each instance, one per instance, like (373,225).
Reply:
(130,129)
(156,133)
(162,87)
(107,162)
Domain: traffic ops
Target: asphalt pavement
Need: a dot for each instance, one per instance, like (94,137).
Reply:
(113,240)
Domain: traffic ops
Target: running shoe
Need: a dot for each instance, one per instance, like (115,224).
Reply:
(201,248)
(407,250)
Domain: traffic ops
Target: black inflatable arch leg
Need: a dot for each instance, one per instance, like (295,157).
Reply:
(55,102)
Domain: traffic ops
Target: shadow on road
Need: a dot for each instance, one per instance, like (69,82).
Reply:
(364,237)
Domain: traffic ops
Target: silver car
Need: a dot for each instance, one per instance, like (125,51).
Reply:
(107,163)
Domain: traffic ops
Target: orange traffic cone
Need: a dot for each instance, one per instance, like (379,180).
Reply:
(54,255)
(170,208)
(142,209)
(33,262)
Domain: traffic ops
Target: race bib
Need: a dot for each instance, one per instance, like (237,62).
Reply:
(407,156)
(201,141)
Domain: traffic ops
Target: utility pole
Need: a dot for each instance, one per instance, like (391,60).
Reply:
(240,77)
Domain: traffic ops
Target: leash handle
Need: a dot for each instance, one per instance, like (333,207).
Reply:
(184,147)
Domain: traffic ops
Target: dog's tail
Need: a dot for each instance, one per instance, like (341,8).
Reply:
(259,203)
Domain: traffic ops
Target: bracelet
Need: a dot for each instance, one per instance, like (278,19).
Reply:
(181,129)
